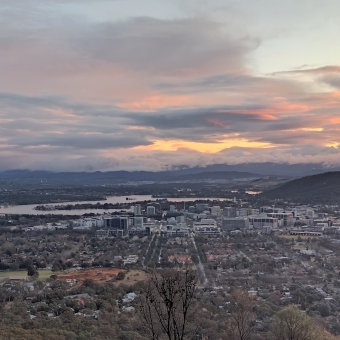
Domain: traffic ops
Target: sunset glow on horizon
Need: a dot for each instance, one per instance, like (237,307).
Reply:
(144,85)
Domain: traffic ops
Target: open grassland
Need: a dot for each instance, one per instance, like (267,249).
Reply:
(43,274)
(6,274)
(295,237)
(299,247)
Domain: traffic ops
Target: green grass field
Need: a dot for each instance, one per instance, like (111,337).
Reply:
(4,275)
(295,237)
(299,247)
(43,274)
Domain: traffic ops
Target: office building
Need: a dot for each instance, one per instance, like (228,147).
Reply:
(229,212)
(150,210)
(234,223)
(136,209)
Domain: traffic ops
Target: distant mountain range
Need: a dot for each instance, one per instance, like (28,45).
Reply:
(216,171)
(215,175)
(322,188)
(317,189)
(26,176)
(266,169)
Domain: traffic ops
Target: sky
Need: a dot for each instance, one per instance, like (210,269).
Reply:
(90,85)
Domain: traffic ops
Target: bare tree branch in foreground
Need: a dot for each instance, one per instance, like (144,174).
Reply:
(242,315)
(168,304)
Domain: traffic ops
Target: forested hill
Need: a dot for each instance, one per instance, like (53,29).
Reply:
(317,189)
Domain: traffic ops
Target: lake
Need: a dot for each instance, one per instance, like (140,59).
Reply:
(29,208)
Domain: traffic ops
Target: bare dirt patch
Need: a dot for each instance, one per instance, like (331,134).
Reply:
(102,275)
(98,275)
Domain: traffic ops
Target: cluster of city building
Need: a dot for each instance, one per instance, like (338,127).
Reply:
(299,220)
(205,219)
(213,221)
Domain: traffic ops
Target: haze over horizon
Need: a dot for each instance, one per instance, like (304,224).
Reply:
(151,84)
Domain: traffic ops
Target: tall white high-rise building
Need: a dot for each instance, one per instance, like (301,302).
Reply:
(137,209)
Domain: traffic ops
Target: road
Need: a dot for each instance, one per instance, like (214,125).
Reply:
(200,264)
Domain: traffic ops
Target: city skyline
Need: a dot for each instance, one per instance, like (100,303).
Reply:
(147,85)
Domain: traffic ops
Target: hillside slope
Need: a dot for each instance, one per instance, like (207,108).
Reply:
(317,189)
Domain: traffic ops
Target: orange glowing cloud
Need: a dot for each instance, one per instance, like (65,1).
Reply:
(335,120)
(134,127)
(333,144)
(174,145)
(316,129)
(156,101)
